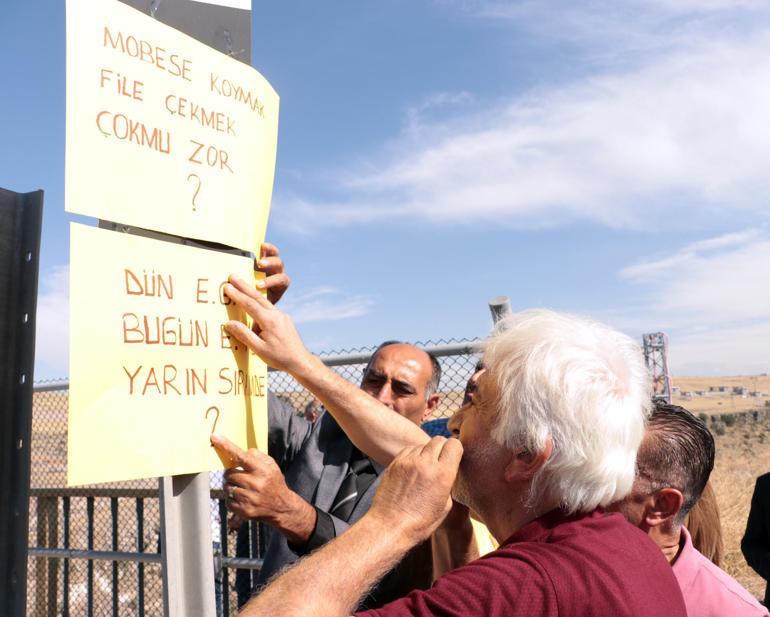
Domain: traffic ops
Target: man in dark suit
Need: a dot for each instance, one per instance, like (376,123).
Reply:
(756,541)
(315,483)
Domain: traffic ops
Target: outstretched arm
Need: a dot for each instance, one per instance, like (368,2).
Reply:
(412,499)
(369,424)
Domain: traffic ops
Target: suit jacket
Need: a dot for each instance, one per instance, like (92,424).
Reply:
(756,541)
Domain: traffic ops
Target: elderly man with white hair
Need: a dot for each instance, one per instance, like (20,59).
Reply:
(546,442)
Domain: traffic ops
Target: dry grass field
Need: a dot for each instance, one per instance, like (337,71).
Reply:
(743,453)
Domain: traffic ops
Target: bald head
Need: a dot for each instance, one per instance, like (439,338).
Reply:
(404,378)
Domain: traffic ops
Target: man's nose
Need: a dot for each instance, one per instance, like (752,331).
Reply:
(453,426)
(385,395)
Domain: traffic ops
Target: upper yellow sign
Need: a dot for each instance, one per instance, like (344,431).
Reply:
(164,132)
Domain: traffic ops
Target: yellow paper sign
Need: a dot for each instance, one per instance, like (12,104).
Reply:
(153,373)
(164,132)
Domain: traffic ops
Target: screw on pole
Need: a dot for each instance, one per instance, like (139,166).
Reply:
(500,307)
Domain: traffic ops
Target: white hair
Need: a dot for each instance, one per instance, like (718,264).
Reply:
(580,383)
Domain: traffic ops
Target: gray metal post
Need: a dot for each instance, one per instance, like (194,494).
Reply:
(500,307)
(185,526)
(20,221)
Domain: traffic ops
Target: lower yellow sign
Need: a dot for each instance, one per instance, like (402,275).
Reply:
(152,372)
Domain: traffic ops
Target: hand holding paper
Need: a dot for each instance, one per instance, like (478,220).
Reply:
(276,281)
(273,336)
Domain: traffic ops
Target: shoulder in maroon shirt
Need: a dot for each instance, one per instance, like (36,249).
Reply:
(596,564)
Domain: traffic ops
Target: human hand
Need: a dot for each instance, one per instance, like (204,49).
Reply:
(234,523)
(273,336)
(414,491)
(256,489)
(276,280)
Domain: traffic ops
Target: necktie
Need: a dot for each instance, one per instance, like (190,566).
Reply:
(359,477)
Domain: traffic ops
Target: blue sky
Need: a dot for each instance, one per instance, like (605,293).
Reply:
(602,157)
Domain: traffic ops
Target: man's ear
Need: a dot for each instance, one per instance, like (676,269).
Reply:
(430,406)
(665,506)
(523,464)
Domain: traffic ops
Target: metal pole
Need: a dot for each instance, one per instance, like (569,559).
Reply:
(500,307)
(140,549)
(185,532)
(21,217)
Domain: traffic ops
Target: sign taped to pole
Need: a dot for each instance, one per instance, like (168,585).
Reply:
(164,132)
(153,373)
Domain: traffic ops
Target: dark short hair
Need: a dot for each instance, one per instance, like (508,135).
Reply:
(435,375)
(677,452)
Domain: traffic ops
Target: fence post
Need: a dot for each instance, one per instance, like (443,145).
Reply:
(41,592)
(47,570)
(500,307)
(21,216)
(185,533)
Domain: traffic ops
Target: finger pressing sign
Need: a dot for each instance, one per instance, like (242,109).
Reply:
(241,292)
(247,336)
(231,455)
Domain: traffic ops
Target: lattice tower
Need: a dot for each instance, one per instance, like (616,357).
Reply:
(656,357)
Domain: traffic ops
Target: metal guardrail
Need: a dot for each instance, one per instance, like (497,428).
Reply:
(67,553)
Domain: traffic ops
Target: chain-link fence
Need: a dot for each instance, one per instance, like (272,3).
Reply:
(96,550)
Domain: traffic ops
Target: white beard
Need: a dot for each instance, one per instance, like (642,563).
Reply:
(479,462)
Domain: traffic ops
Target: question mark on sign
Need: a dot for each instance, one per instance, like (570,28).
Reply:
(197,190)
(214,427)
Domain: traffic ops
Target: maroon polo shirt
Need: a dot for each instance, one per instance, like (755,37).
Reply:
(596,565)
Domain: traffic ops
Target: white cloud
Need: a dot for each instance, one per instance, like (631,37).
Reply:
(52,324)
(684,129)
(713,300)
(416,115)
(686,254)
(326,304)
(739,350)
(722,286)
(618,16)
